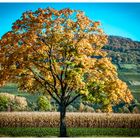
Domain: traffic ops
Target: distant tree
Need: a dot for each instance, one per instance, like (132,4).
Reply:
(43,104)
(3,103)
(59,52)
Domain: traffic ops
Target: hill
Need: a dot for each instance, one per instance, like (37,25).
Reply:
(125,54)
(123,50)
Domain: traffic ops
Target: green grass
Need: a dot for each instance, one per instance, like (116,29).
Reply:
(128,66)
(72,132)
(13,89)
(10,88)
(135,91)
(131,77)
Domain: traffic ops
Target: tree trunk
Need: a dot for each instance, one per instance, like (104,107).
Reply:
(63,129)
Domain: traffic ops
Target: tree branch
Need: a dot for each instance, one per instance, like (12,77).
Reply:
(57,100)
(73,99)
(45,82)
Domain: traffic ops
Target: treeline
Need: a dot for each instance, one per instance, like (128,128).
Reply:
(123,50)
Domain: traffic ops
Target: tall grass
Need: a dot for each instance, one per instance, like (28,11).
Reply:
(51,119)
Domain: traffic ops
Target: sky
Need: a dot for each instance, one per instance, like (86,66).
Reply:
(121,19)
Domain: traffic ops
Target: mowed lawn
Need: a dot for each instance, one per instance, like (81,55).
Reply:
(72,132)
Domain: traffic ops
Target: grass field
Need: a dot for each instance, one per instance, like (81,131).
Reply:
(72,132)
(129,74)
(128,66)
(133,81)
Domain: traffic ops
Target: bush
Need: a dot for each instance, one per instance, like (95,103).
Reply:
(125,110)
(81,108)
(13,103)
(88,109)
(70,108)
(43,104)
(136,110)
(3,103)
(32,106)
(76,104)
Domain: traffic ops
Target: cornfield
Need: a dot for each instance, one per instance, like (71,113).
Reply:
(51,119)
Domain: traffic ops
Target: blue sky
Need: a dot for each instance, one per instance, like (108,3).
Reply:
(121,19)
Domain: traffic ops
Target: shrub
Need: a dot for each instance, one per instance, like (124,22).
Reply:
(32,106)
(125,109)
(98,111)
(70,108)
(76,104)
(88,109)
(21,101)
(81,107)
(136,110)
(3,103)
(43,104)
(14,103)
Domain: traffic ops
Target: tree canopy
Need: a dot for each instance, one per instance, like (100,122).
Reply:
(59,52)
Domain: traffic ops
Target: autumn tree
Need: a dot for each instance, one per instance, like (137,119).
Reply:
(59,52)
